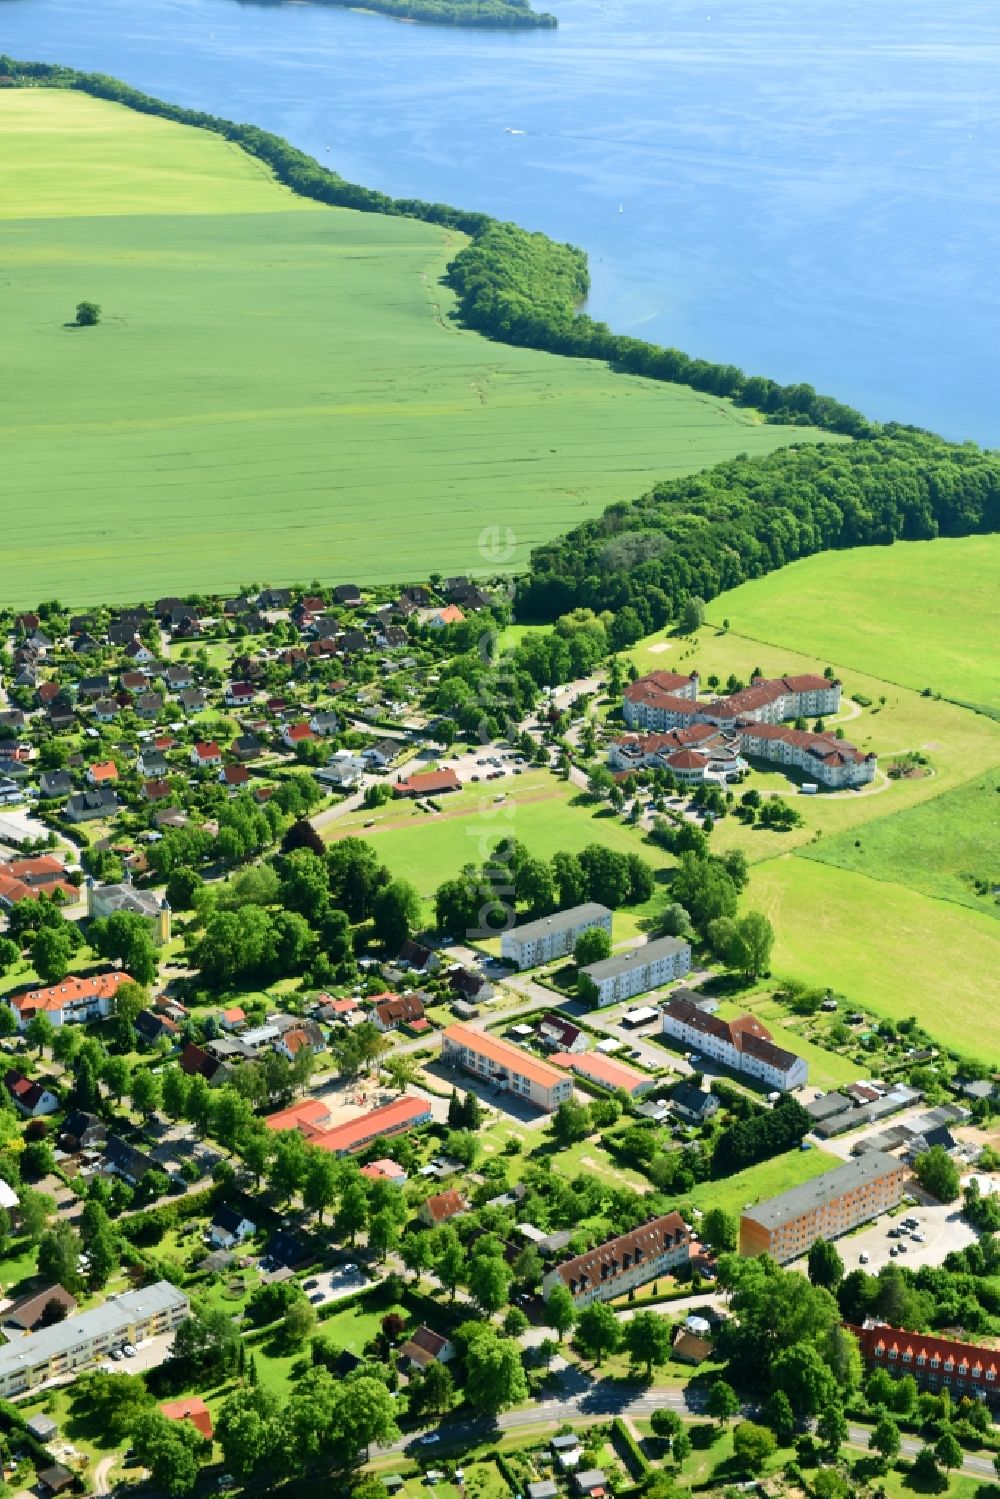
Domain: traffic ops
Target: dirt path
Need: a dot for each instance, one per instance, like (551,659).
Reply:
(101,1475)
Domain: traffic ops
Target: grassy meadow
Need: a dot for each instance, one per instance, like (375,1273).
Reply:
(276,381)
(885,946)
(920,613)
(940,847)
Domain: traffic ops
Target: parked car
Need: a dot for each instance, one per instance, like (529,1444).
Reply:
(429,1438)
(864,1257)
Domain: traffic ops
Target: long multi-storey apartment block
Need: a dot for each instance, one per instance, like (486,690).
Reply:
(639,969)
(786,1226)
(935,1363)
(505,1066)
(69,1345)
(552,936)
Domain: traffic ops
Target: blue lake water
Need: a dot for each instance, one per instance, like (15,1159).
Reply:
(807,188)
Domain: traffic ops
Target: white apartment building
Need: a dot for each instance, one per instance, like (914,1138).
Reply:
(506,1067)
(743,1044)
(552,936)
(641,968)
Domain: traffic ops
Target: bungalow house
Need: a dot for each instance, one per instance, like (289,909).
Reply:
(348,595)
(151,762)
(30,1098)
(90,689)
(391,1011)
(106,710)
(192,700)
(177,677)
(442,1207)
(104,773)
(234,776)
(690,1349)
(343,772)
(124,1160)
(591,1484)
(240,694)
(134,682)
(151,1028)
(424,1347)
(193,1409)
(229,1227)
(206,754)
(138,654)
(379,755)
(197,1062)
(156,790)
(85,806)
(451,614)
(233,1019)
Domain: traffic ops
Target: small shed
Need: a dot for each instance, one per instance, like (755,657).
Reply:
(42,1426)
(56,1479)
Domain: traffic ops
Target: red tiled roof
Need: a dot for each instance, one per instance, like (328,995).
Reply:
(71,990)
(428,783)
(192,1409)
(104,770)
(445,1205)
(602,1069)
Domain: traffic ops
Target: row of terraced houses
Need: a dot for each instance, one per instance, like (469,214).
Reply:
(697,740)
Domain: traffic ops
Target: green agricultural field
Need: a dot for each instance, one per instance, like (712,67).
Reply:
(276,389)
(940,848)
(920,613)
(892,949)
(539,810)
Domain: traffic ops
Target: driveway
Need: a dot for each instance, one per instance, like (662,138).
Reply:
(941,1224)
(150,1354)
(334,1285)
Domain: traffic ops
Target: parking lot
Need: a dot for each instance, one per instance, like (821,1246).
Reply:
(941,1225)
(331,1285)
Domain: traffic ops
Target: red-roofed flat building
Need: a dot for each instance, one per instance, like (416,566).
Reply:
(605,1071)
(312,1119)
(71,1002)
(26,879)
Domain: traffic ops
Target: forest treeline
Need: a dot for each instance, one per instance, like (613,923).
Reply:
(512,285)
(699,535)
(498,14)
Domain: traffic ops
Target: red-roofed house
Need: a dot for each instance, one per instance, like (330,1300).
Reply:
(104,773)
(192,1408)
(234,776)
(385,1170)
(390,1011)
(26,879)
(233,1019)
(294,734)
(442,1207)
(450,615)
(206,753)
(31,1098)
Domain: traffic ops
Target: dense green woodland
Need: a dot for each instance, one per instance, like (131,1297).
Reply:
(498,14)
(700,535)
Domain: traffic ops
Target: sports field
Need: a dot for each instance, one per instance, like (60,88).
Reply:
(276,390)
(920,613)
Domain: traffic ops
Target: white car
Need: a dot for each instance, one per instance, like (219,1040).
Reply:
(117,1355)
(429,1438)
(130,1350)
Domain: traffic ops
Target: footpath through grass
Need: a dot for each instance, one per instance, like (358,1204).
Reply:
(274,384)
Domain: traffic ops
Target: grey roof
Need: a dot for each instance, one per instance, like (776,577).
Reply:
(560,921)
(827,1105)
(126,897)
(636,957)
(112,1317)
(822,1189)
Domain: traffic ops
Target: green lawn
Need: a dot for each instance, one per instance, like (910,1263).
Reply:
(274,378)
(538,809)
(734,1193)
(921,613)
(940,847)
(894,950)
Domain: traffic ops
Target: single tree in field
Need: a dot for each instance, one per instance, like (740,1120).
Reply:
(88,314)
